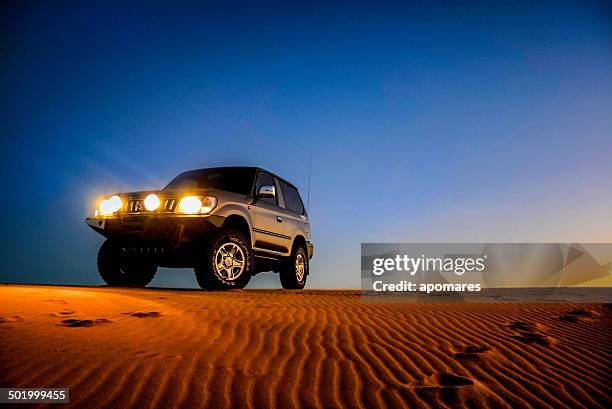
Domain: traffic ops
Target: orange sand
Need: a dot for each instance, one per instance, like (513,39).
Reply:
(315,349)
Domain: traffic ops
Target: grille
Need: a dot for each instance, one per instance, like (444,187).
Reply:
(137,206)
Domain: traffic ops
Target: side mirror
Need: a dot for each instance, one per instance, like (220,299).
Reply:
(267,191)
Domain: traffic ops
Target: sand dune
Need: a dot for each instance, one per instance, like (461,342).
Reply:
(314,349)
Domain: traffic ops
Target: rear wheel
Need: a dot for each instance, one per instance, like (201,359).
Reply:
(117,270)
(293,275)
(227,263)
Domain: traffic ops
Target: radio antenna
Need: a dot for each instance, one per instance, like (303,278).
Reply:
(309,173)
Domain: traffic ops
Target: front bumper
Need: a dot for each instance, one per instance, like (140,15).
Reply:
(172,230)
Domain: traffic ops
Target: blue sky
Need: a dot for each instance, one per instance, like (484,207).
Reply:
(424,123)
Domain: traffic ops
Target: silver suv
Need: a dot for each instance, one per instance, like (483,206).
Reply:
(226,223)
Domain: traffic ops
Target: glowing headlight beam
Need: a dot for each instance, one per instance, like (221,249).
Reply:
(111,205)
(190,204)
(151,202)
(195,204)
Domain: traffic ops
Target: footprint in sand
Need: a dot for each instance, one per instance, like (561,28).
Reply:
(74,323)
(529,333)
(446,380)
(577,315)
(526,326)
(470,351)
(150,314)
(8,320)
(452,380)
(64,313)
(445,383)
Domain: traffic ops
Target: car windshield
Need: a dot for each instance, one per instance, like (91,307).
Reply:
(237,180)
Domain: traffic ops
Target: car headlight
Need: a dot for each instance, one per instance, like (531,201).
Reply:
(208,203)
(195,204)
(151,202)
(109,206)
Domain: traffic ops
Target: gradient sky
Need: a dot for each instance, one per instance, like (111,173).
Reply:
(424,123)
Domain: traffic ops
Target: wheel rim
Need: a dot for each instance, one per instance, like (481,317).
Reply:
(300,267)
(230,261)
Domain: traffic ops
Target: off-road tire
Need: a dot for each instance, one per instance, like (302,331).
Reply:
(289,275)
(209,276)
(119,271)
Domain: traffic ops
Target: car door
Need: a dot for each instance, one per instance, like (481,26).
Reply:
(268,229)
(295,221)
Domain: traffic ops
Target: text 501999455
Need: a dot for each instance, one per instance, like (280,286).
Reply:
(34,395)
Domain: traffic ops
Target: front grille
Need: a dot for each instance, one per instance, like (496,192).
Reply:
(137,206)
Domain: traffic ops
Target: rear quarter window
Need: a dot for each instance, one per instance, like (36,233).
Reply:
(293,201)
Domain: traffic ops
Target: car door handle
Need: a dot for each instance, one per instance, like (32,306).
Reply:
(279,219)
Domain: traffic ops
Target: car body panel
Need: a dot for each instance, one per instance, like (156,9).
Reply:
(269,231)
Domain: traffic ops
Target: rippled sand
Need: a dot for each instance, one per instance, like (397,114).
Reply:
(313,349)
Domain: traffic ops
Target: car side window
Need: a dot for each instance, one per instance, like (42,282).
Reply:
(265,180)
(293,202)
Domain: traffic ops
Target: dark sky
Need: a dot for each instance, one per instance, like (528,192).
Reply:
(424,123)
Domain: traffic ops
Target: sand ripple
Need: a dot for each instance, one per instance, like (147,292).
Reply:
(312,349)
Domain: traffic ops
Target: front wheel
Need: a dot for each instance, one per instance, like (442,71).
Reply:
(293,275)
(118,270)
(227,263)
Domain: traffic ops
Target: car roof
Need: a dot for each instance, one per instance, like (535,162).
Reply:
(253,168)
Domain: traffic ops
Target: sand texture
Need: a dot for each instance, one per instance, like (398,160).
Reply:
(314,349)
